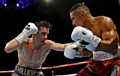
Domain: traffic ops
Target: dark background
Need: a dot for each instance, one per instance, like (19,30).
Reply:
(13,21)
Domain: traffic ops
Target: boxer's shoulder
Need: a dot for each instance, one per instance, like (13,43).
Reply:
(105,23)
(49,42)
(28,40)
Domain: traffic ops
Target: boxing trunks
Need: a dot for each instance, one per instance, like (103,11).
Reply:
(23,71)
(101,64)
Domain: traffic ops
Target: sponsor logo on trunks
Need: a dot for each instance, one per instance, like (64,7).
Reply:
(26,71)
(101,56)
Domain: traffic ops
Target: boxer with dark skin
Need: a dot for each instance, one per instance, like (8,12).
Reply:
(101,35)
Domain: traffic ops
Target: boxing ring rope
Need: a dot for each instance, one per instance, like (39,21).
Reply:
(52,67)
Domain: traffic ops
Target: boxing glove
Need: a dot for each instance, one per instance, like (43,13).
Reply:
(29,29)
(72,51)
(81,33)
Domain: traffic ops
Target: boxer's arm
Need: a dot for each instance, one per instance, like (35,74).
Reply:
(57,46)
(15,43)
(61,47)
(11,46)
(110,39)
(109,42)
(86,53)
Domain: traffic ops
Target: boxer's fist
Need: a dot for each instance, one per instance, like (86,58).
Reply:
(71,51)
(29,29)
(81,33)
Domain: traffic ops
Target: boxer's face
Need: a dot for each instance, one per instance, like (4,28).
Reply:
(43,33)
(76,17)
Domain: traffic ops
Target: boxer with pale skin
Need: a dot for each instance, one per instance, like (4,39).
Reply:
(98,37)
(32,51)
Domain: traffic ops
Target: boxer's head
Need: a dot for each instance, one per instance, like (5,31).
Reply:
(78,13)
(44,28)
(44,24)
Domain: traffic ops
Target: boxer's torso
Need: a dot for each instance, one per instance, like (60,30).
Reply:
(32,57)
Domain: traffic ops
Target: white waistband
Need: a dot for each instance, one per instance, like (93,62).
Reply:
(101,56)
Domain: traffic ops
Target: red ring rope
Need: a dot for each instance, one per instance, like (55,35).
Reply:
(53,67)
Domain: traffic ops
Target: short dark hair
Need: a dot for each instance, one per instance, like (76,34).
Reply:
(79,7)
(45,24)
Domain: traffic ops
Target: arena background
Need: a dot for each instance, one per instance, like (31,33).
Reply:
(13,20)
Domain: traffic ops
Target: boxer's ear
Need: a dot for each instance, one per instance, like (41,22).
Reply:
(82,13)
